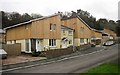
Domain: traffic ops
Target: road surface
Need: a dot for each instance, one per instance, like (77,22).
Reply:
(75,64)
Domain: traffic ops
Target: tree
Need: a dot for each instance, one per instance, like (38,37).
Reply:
(26,17)
(34,16)
(14,18)
(5,20)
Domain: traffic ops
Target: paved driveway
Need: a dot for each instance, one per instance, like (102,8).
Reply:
(20,59)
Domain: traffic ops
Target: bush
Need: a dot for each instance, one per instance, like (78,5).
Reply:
(36,54)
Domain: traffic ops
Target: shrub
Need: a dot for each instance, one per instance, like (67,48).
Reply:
(36,54)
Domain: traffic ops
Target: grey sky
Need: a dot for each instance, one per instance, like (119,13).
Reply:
(119,11)
(98,8)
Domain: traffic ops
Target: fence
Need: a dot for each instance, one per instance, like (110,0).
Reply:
(12,49)
(58,52)
(64,51)
(83,47)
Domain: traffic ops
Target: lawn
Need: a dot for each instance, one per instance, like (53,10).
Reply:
(106,68)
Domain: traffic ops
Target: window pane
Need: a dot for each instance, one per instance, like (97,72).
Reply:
(81,40)
(54,42)
(70,32)
(49,42)
(50,26)
(54,26)
(70,42)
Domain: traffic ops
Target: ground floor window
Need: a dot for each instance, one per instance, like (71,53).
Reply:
(70,42)
(52,42)
(88,40)
(14,41)
(82,41)
(27,44)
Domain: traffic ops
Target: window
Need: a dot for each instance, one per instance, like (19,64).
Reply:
(54,26)
(50,27)
(14,41)
(81,41)
(52,42)
(87,40)
(11,41)
(82,29)
(70,42)
(70,32)
(63,31)
(38,42)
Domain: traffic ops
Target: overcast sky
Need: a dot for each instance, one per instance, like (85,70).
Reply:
(98,8)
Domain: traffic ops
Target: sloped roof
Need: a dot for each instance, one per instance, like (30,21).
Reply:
(83,22)
(31,21)
(67,27)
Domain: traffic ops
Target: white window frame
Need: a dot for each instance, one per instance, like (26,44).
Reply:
(82,41)
(52,42)
(70,32)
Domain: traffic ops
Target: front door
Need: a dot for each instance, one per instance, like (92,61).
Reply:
(38,45)
(33,45)
(64,44)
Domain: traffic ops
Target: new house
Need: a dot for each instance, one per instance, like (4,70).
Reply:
(96,37)
(83,33)
(107,34)
(66,36)
(40,34)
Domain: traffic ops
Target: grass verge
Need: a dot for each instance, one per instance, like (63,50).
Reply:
(106,68)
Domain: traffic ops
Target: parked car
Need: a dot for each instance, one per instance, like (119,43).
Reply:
(3,54)
(108,43)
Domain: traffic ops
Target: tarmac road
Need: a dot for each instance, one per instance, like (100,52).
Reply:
(75,64)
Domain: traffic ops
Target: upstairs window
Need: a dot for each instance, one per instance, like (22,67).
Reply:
(82,29)
(63,31)
(70,42)
(70,32)
(54,26)
(50,26)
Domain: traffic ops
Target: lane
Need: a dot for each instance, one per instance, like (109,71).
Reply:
(72,65)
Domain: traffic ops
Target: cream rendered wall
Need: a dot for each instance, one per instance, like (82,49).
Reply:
(58,43)
(85,41)
(67,35)
(77,42)
(10,42)
(23,45)
(89,40)
(46,44)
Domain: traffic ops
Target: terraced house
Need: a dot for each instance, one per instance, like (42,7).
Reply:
(40,34)
(108,35)
(83,33)
(66,36)
(96,37)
